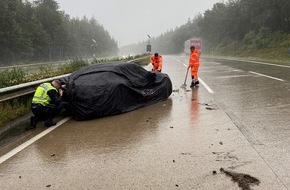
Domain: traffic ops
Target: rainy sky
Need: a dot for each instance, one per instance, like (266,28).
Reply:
(129,21)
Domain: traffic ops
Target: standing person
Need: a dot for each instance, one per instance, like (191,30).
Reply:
(46,103)
(194,65)
(156,61)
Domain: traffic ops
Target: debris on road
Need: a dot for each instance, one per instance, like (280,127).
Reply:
(176,90)
(210,108)
(244,180)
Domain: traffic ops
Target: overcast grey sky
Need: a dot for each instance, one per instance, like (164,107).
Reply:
(129,21)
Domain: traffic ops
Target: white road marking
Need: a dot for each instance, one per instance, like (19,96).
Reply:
(29,142)
(233,76)
(204,84)
(262,63)
(216,63)
(266,76)
(206,87)
(179,61)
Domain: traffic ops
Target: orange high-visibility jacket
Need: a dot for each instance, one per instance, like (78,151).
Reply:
(156,62)
(194,63)
(194,58)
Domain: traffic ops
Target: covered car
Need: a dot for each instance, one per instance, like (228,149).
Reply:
(106,89)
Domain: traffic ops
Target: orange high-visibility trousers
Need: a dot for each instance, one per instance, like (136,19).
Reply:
(194,71)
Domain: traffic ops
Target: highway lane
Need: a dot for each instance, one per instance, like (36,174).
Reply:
(278,71)
(177,144)
(256,96)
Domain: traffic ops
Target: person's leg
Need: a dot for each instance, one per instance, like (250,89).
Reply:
(194,70)
(196,75)
(192,81)
(38,114)
(50,113)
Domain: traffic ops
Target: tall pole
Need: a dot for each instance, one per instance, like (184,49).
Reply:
(94,45)
(148,45)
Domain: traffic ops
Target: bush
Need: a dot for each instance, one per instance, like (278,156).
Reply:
(74,65)
(11,77)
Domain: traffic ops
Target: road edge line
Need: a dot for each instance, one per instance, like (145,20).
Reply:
(32,140)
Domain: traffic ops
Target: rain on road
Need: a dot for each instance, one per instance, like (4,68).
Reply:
(236,119)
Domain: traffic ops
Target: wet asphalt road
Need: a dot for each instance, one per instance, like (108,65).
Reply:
(237,119)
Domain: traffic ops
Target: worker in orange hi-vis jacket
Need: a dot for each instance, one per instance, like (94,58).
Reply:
(194,65)
(156,61)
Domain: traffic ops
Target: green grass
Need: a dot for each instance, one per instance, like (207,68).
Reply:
(12,110)
(262,45)
(275,55)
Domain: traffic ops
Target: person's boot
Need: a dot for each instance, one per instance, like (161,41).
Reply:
(196,82)
(49,123)
(192,83)
(33,122)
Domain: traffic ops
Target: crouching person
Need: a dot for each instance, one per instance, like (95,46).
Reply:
(46,103)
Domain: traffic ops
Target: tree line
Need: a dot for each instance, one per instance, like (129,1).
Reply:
(39,31)
(252,24)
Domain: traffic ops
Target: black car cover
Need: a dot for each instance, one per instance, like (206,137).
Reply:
(112,88)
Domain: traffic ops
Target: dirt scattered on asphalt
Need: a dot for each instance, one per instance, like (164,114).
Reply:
(185,153)
(210,108)
(245,181)
(225,156)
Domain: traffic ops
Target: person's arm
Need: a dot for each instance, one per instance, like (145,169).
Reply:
(152,60)
(192,60)
(54,97)
(160,64)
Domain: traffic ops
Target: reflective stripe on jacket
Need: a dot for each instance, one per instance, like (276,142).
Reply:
(41,96)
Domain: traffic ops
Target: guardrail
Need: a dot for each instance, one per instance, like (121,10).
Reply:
(25,89)
(14,92)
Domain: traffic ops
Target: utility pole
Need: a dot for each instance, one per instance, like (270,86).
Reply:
(148,45)
(94,45)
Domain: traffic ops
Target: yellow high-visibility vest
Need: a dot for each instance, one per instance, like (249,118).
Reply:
(41,96)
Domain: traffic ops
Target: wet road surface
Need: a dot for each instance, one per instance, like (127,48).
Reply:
(236,120)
